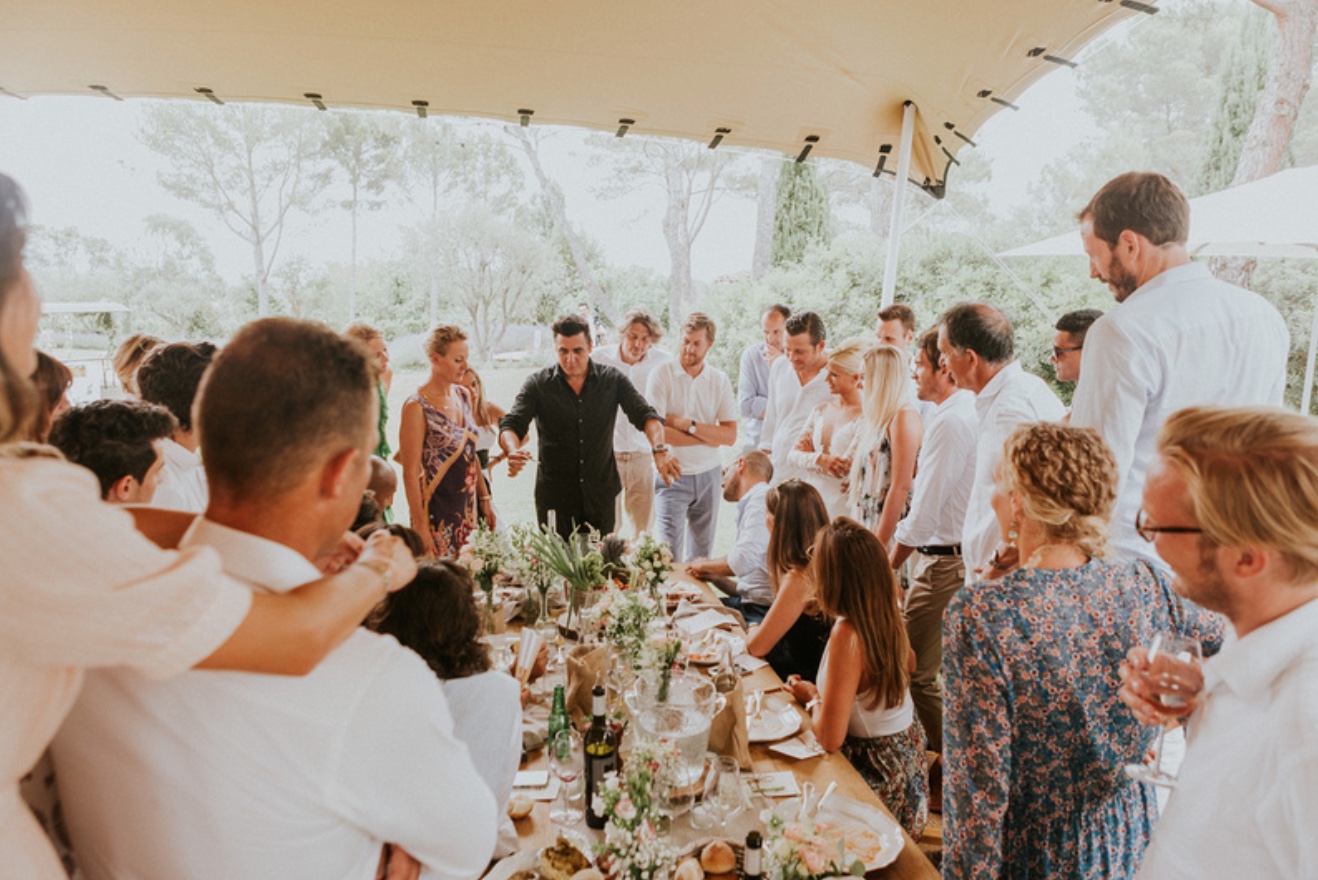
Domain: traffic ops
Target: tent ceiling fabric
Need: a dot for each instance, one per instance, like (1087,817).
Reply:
(1276,216)
(772,72)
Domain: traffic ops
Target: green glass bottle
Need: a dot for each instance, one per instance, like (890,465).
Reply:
(558,719)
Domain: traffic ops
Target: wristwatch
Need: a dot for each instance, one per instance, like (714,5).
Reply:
(691,428)
(662,447)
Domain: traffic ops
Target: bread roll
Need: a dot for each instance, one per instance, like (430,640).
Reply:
(588,874)
(519,806)
(718,858)
(689,870)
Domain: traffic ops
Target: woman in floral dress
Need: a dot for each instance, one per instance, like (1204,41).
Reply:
(442,477)
(883,464)
(1035,739)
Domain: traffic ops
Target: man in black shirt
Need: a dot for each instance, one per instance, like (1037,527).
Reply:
(574,406)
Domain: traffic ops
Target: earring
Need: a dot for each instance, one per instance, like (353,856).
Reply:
(1012,533)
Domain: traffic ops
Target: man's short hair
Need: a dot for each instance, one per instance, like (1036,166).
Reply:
(646,320)
(780,309)
(700,321)
(1252,477)
(171,374)
(571,325)
(807,322)
(928,343)
(980,328)
(759,464)
(1142,202)
(899,312)
(280,398)
(112,438)
(1077,323)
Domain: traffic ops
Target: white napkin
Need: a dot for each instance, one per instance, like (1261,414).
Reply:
(799,747)
(774,785)
(747,664)
(708,619)
(543,793)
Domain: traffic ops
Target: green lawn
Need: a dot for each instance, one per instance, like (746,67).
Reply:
(514,498)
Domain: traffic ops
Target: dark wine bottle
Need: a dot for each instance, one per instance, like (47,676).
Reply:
(750,858)
(601,747)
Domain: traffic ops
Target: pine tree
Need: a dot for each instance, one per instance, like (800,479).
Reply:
(1241,82)
(801,214)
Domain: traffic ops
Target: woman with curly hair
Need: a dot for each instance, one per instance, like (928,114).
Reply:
(1034,742)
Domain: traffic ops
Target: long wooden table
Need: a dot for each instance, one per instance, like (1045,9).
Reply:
(536,830)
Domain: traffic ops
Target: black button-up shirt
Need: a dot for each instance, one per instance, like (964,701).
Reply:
(576,430)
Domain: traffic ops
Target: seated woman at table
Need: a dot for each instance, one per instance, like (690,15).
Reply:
(862,704)
(1034,741)
(437,616)
(795,631)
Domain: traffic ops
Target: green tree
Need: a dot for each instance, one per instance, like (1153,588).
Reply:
(251,166)
(801,215)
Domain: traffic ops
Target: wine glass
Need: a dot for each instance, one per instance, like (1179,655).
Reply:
(703,813)
(1172,676)
(567,760)
(729,796)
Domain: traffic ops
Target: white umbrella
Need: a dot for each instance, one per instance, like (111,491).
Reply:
(1273,217)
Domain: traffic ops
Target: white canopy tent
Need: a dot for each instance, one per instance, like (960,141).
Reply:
(1273,217)
(825,78)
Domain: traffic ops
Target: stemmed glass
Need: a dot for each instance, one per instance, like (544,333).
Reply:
(1172,677)
(567,760)
(728,796)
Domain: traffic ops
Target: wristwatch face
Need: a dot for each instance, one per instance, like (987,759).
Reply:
(691,429)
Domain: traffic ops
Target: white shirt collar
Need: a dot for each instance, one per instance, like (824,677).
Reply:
(1176,275)
(267,565)
(178,455)
(999,381)
(1250,665)
(956,400)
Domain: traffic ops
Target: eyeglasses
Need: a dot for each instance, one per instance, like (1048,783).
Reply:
(1148,533)
(1058,352)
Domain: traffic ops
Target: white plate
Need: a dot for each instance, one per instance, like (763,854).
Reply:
(529,860)
(778,719)
(707,653)
(870,834)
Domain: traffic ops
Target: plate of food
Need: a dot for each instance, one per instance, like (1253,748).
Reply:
(710,858)
(711,646)
(777,718)
(565,859)
(865,831)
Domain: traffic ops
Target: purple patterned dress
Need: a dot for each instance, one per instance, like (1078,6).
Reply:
(450,475)
(1034,736)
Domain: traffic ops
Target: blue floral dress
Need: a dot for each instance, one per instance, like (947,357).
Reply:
(1035,736)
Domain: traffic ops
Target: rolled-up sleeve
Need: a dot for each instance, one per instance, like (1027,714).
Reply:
(524,409)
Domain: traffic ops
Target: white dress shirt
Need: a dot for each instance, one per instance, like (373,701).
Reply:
(944,475)
(230,774)
(182,480)
(790,404)
(625,436)
(1184,338)
(1010,398)
(706,397)
(487,718)
(750,553)
(1246,798)
(753,391)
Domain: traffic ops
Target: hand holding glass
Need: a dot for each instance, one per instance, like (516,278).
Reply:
(1171,678)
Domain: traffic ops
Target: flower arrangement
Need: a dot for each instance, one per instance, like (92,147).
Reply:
(797,851)
(652,560)
(527,567)
(581,566)
(484,555)
(632,846)
(622,618)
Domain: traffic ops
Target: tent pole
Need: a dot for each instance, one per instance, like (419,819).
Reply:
(1307,396)
(898,203)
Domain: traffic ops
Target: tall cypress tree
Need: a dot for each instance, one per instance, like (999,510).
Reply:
(801,213)
(1241,82)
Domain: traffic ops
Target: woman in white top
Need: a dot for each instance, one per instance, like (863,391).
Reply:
(883,465)
(829,437)
(81,587)
(862,704)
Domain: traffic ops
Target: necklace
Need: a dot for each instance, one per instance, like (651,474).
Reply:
(1036,559)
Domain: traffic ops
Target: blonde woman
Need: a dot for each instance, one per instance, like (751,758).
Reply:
(446,488)
(832,429)
(129,356)
(487,415)
(110,597)
(883,464)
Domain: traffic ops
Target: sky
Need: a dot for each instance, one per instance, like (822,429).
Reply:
(82,166)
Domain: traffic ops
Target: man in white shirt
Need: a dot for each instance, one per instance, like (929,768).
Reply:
(226,774)
(170,377)
(944,475)
(1069,342)
(1231,503)
(977,346)
(797,384)
(636,357)
(753,380)
(745,483)
(120,442)
(1178,338)
(896,327)
(695,401)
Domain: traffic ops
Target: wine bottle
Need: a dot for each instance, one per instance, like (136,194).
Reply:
(601,747)
(750,859)
(558,719)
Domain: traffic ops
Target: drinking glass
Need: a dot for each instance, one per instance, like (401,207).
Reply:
(567,760)
(704,813)
(729,796)
(1172,677)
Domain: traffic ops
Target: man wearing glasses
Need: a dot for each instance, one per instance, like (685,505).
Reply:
(1178,338)
(1069,341)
